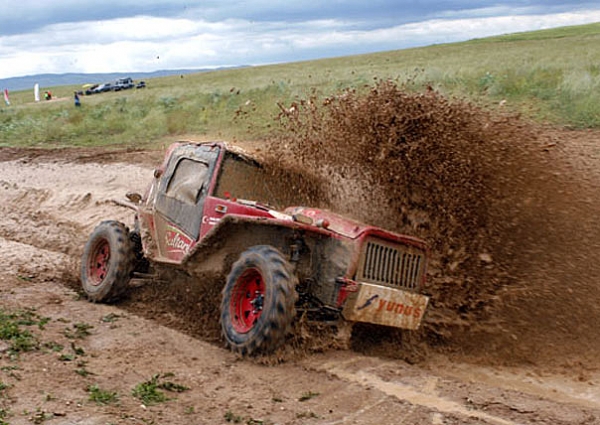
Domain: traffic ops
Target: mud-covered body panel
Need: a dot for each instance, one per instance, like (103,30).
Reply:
(318,258)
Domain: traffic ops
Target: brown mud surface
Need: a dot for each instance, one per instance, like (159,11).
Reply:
(508,208)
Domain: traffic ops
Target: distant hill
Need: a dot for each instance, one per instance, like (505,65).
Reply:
(53,80)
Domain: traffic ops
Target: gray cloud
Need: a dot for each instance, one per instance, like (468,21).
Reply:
(30,15)
(68,36)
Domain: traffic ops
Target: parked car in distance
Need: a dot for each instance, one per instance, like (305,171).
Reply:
(123,84)
(119,84)
(103,87)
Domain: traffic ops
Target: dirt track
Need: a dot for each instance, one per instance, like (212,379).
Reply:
(50,201)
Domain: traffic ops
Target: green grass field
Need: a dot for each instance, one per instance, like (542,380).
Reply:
(551,76)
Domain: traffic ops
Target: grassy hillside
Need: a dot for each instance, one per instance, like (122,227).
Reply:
(551,76)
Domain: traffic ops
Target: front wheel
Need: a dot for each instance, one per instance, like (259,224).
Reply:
(107,262)
(258,304)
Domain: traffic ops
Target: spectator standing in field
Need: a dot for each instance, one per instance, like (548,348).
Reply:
(76,98)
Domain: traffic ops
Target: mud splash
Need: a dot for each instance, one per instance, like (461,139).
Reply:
(496,198)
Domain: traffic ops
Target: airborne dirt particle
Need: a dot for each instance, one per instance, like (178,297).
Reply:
(505,225)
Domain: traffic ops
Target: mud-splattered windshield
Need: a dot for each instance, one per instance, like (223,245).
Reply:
(188,181)
(243,178)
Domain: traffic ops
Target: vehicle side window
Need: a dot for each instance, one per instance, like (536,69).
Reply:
(187,181)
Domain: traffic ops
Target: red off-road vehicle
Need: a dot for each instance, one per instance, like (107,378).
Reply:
(204,209)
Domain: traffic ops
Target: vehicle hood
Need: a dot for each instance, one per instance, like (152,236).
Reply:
(337,223)
(352,229)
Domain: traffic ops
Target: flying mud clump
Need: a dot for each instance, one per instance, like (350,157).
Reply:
(482,188)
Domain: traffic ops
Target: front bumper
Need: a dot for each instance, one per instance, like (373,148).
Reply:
(382,305)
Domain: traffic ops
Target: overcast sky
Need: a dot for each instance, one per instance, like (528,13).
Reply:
(60,36)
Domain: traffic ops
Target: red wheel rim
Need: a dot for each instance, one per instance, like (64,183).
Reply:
(247,299)
(99,262)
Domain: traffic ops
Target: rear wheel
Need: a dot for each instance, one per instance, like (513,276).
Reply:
(107,262)
(258,305)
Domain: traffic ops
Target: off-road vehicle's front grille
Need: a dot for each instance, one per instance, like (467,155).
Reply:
(390,264)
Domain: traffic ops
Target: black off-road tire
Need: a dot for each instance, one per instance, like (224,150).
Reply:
(258,304)
(107,262)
